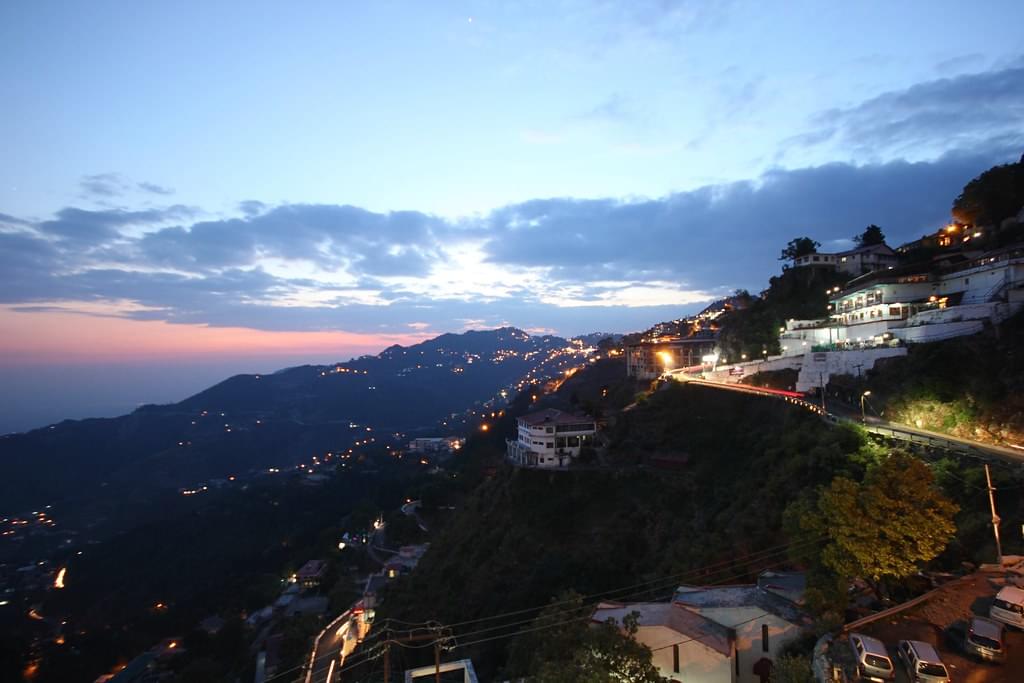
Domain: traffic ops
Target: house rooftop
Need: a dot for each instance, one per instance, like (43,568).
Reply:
(748,595)
(551,416)
(313,569)
(788,585)
(709,633)
(374,583)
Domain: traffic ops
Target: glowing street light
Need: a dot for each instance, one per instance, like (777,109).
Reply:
(863,416)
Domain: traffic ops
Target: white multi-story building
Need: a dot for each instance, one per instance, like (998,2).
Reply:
(915,305)
(855,262)
(550,438)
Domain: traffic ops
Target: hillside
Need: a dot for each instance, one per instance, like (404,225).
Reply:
(971,387)
(257,421)
(524,536)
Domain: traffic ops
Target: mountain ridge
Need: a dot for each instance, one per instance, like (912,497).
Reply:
(252,421)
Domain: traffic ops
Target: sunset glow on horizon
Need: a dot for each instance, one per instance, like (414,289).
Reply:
(71,337)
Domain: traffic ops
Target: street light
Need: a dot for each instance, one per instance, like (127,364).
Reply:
(863,416)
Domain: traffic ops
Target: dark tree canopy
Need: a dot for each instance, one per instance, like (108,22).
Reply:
(564,647)
(871,236)
(800,246)
(996,194)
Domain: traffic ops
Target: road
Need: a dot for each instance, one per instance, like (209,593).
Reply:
(336,642)
(880,426)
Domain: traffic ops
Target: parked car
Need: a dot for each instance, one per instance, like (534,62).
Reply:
(978,637)
(1008,607)
(922,662)
(984,639)
(873,662)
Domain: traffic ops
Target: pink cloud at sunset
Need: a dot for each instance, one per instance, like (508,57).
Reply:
(69,337)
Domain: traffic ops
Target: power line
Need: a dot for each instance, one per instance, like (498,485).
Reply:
(374,653)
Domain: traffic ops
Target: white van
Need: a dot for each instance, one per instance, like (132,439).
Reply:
(1008,607)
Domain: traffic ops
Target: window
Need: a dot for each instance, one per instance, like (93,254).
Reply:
(675,659)
(764,637)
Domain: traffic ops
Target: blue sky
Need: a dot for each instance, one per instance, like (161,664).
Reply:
(383,170)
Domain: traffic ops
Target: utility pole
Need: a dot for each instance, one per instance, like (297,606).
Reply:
(995,517)
(411,638)
(821,383)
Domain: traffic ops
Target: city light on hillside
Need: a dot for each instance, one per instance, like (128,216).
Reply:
(59,581)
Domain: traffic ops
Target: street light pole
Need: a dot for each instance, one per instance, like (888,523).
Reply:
(863,415)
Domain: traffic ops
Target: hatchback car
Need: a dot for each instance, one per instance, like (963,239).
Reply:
(984,639)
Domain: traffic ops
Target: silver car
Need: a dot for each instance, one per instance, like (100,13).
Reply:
(922,662)
(984,639)
(873,663)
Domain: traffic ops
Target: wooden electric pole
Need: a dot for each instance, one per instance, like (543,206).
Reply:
(995,517)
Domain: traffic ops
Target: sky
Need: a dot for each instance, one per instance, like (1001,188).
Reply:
(195,189)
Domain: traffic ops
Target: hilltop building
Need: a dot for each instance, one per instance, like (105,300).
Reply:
(436,444)
(722,634)
(550,438)
(651,358)
(916,304)
(854,262)
(312,573)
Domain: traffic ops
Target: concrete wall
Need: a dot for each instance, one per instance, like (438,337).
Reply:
(819,367)
(749,647)
(923,334)
(784,362)
(697,662)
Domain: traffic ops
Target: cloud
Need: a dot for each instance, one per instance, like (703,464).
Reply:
(103,185)
(561,263)
(153,188)
(95,227)
(614,109)
(110,185)
(729,234)
(962,112)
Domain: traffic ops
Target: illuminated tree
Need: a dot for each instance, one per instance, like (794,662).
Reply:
(886,526)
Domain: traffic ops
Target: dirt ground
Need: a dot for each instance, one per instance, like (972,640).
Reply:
(929,622)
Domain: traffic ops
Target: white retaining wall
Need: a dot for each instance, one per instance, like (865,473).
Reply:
(818,367)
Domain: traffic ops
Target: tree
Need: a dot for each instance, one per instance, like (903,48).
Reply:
(568,648)
(886,526)
(792,669)
(797,247)
(996,194)
(871,236)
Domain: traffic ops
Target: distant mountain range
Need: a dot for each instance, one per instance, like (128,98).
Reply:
(249,422)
